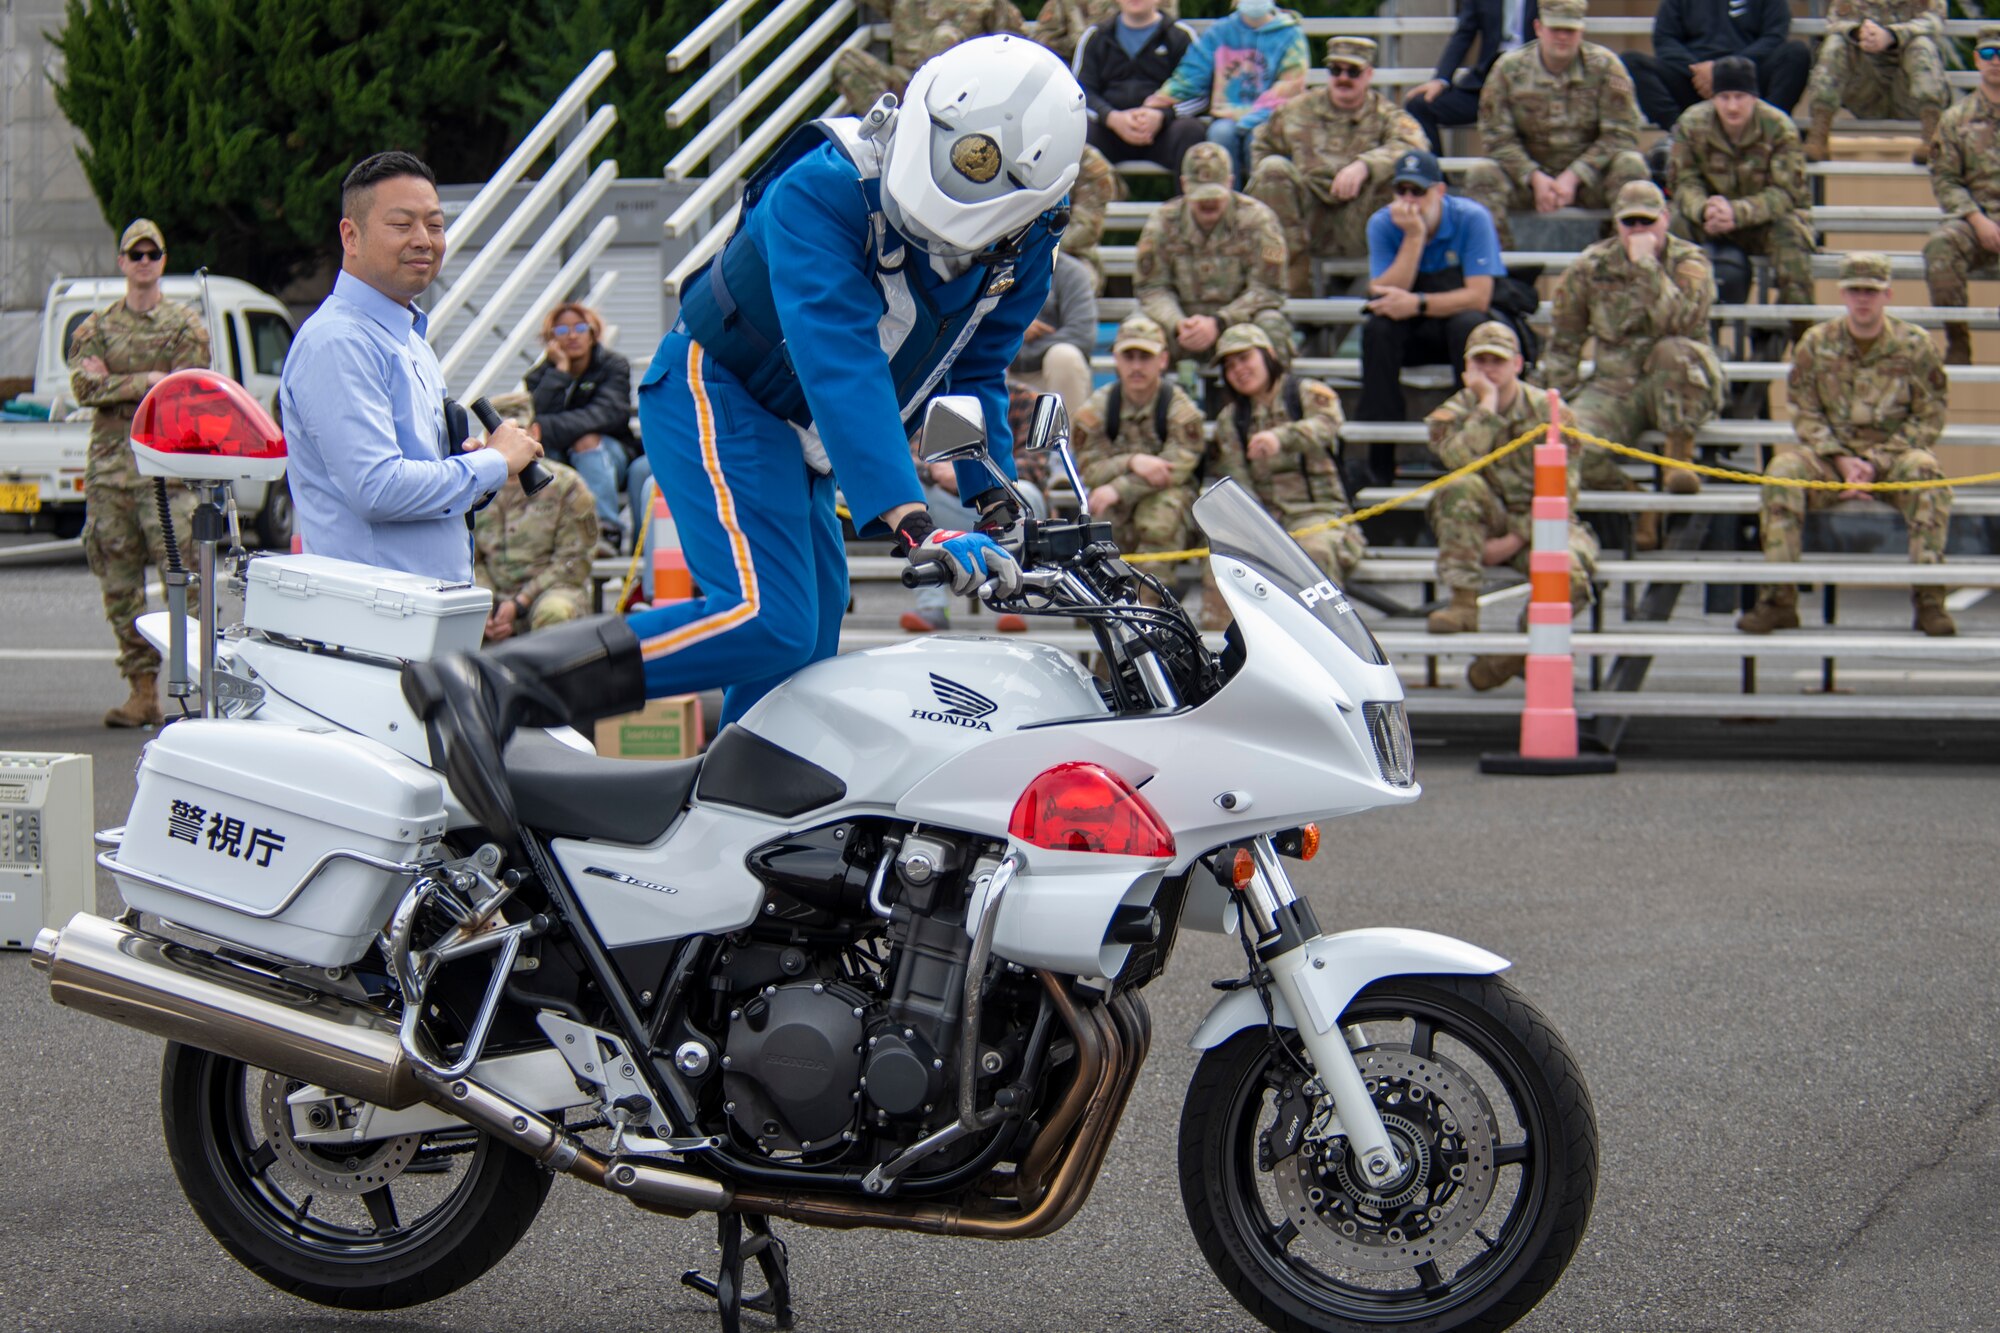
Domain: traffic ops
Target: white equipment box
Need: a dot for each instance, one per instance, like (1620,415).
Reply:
(46,873)
(371,610)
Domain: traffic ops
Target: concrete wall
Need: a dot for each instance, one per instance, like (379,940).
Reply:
(50,223)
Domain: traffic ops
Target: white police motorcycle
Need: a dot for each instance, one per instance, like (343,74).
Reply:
(876,959)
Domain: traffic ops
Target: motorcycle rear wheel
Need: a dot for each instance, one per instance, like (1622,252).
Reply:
(444,1207)
(1485,1104)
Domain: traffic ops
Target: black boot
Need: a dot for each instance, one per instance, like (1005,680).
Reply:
(568,674)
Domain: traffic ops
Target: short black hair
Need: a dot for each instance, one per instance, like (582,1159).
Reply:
(372,171)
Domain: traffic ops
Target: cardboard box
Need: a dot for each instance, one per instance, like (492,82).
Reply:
(669,728)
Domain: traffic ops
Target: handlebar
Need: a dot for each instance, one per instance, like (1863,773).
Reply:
(925,576)
(534,476)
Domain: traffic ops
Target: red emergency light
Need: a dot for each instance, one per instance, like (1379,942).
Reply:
(202,425)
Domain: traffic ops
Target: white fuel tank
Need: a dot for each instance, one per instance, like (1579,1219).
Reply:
(884,717)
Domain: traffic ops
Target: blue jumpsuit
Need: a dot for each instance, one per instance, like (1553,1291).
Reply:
(871,332)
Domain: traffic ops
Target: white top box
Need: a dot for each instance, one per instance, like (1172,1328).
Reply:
(371,610)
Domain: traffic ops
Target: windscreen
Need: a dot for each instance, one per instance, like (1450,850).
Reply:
(1237,526)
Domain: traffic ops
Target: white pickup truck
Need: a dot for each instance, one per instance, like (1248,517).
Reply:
(45,437)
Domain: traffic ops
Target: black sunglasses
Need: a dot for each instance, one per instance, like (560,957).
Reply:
(1345,71)
(1637,222)
(1989,53)
(138,256)
(1405,190)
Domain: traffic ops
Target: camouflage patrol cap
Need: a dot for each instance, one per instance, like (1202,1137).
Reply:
(1206,172)
(1141,332)
(1493,338)
(1640,199)
(1242,338)
(1356,50)
(1865,268)
(142,229)
(1988,35)
(1564,13)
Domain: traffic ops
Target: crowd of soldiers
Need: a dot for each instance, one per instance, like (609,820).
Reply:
(1560,123)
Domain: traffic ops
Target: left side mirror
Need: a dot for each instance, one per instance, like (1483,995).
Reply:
(954,429)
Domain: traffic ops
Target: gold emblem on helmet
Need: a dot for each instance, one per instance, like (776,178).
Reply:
(976,157)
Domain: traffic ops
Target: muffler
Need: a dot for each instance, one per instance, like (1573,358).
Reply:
(170,990)
(184,995)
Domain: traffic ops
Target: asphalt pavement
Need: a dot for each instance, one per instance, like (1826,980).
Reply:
(1771,947)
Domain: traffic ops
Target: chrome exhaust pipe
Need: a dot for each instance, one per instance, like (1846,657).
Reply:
(170,990)
(173,991)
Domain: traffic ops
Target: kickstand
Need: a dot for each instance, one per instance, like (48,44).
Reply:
(727,1286)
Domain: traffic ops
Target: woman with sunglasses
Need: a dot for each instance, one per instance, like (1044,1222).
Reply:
(583,407)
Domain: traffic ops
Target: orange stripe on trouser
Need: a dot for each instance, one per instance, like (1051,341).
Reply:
(725,504)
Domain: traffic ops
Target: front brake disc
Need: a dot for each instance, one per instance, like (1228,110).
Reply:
(1442,1128)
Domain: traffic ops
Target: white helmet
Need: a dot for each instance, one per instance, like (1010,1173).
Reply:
(987,139)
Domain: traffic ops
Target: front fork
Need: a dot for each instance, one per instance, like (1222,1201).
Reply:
(1285,926)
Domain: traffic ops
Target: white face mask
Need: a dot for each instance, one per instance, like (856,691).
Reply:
(1257,10)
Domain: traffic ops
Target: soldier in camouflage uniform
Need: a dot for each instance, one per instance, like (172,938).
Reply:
(1209,259)
(534,553)
(1965,176)
(1323,163)
(1559,122)
(918,30)
(1488,518)
(1142,483)
(115,356)
(1287,458)
(1879,58)
(1738,179)
(1643,296)
(1868,402)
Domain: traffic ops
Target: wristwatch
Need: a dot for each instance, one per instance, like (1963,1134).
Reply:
(1423,305)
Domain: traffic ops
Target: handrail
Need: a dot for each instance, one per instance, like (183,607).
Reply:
(705,33)
(539,138)
(759,141)
(704,250)
(704,142)
(727,67)
(732,117)
(550,242)
(575,155)
(530,323)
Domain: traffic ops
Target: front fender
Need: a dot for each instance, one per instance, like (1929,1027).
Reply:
(1338,967)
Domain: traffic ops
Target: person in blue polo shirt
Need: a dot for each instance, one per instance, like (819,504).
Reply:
(1433,260)
(877,262)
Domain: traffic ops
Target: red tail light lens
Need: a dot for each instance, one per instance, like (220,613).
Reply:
(205,412)
(1088,808)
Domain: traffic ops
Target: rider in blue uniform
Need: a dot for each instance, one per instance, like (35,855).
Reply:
(877,262)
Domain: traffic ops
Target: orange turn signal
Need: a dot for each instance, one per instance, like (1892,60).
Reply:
(1242,871)
(1308,842)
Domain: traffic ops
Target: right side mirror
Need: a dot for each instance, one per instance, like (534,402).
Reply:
(1050,426)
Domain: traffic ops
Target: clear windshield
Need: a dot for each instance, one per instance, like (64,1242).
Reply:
(1237,526)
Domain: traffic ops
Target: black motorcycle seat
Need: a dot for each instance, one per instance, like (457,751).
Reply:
(564,793)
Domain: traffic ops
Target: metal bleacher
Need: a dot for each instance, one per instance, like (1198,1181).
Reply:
(757,86)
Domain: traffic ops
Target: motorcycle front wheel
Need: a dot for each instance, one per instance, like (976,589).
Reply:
(1494,1125)
(378,1225)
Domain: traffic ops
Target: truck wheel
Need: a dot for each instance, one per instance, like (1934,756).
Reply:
(275,524)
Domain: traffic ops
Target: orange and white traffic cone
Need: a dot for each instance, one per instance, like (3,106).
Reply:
(1548,719)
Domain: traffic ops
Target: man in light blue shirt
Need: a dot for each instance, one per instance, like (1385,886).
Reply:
(362,397)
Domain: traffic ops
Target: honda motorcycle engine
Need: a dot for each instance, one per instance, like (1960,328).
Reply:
(813,1054)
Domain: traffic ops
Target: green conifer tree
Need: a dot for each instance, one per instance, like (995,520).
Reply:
(231,122)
